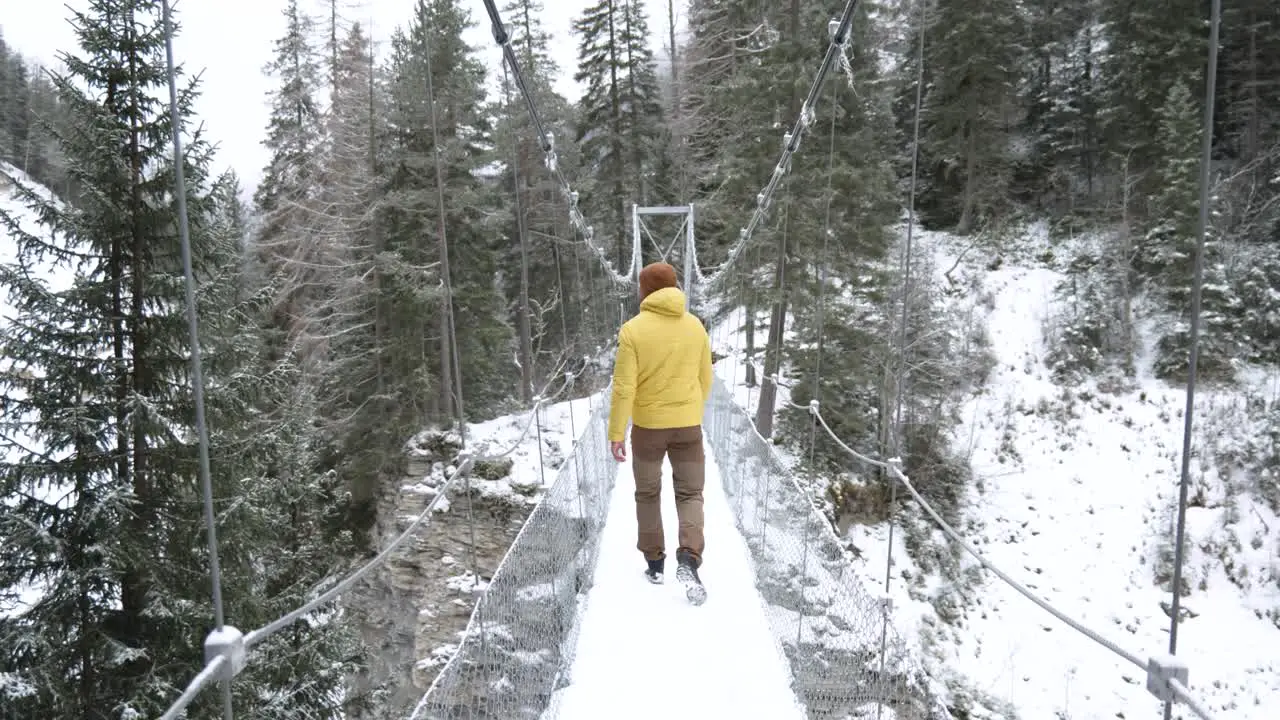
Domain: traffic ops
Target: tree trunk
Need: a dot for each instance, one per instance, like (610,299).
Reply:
(134,588)
(1254,133)
(778,317)
(965,225)
(1126,257)
(526,335)
(1090,120)
(773,347)
(379,239)
(679,151)
(447,370)
(637,152)
(333,46)
(619,166)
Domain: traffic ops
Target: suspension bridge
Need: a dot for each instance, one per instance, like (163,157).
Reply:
(809,637)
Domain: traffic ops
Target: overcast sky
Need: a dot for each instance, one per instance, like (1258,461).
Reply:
(230,41)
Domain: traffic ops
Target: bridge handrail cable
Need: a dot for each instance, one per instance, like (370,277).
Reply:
(1166,675)
(1162,670)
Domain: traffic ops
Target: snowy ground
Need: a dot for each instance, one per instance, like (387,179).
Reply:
(1074,493)
(644,652)
(1073,497)
(536,446)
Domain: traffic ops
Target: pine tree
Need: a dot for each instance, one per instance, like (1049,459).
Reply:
(620,122)
(97,382)
(539,265)
(837,211)
(414,225)
(285,200)
(1064,99)
(735,135)
(1152,47)
(971,63)
(1250,45)
(1170,247)
(356,392)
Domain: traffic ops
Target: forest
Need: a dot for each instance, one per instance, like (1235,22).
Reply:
(373,286)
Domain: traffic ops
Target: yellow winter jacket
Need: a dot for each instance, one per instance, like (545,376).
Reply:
(662,374)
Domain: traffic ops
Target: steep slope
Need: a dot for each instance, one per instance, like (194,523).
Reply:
(1073,495)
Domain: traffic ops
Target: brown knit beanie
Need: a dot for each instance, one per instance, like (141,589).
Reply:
(655,277)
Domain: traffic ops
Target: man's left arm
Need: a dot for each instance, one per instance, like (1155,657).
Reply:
(705,371)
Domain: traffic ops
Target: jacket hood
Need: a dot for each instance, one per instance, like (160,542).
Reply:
(667,301)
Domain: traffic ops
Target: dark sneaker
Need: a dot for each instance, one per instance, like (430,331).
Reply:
(654,572)
(687,575)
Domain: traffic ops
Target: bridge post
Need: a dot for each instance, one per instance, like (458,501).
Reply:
(1163,669)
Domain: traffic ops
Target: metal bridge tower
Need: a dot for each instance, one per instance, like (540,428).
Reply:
(640,231)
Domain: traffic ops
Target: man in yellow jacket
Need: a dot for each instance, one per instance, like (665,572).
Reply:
(661,382)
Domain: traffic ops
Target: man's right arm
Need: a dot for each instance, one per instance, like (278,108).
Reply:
(624,387)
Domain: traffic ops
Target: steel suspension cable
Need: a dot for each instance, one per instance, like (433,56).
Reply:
(791,143)
(193,330)
(1197,283)
(1158,669)
(547,144)
(465,462)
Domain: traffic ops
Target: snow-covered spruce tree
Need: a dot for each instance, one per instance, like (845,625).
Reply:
(1088,333)
(100,438)
(284,198)
(620,119)
(365,404)
(643,111)
(555,295)
(848,314)
(1169,250)
(414,225)
(862,199)
(972,61)
(1063,99)
(1151,47)
(343,232)
(735,131)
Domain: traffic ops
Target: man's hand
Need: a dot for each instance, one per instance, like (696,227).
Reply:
(619,450)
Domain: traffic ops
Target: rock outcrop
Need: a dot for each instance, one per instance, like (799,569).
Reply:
(413,610)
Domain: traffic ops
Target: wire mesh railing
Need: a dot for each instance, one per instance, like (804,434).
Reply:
(845,662)
(521,638)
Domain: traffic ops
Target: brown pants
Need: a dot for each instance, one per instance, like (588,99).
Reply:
(688,470)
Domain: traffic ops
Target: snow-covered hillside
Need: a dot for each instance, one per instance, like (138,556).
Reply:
(1073,495)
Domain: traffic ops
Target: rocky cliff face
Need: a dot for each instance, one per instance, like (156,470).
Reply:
(412,611)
